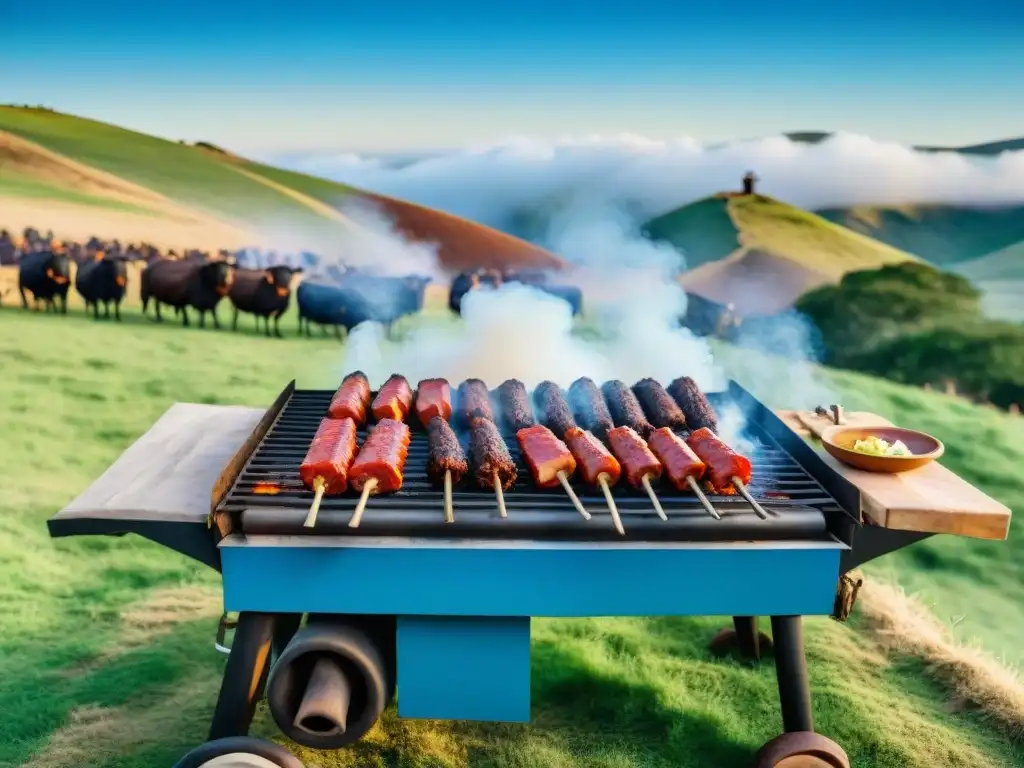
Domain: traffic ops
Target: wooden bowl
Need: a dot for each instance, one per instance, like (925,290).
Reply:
(924,448)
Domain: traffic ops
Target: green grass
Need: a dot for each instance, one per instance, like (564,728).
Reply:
(186,174)
(91,631)
(703,231)
(808,239)
(23,186)
(712,228)
(941,234)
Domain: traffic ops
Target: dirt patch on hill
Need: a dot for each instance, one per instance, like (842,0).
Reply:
(22,157)
(80,222)
(462,244)
(755,282)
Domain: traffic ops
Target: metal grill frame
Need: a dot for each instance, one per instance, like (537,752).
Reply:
(416,510)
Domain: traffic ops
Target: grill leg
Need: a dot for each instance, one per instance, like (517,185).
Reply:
(244,675)
(747,640)
(744,638)
(791,669)
(285,627)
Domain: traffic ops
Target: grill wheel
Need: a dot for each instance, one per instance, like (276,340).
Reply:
(801,749)
(239,752)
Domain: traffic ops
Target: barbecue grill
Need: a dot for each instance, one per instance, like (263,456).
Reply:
(441,611)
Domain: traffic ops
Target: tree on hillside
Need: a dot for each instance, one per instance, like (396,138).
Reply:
(871,306)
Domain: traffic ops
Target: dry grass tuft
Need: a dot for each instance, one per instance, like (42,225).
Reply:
(901,623)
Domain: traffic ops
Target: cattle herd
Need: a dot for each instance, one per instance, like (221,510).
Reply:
(330,296)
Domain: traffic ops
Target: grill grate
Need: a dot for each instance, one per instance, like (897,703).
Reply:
(796,503)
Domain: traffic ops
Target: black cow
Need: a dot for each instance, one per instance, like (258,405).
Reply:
(325,304)
(183,284)
(465,282)
(264,293)
(103,280)
(46,275)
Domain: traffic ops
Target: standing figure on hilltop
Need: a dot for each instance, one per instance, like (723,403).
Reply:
(749,182)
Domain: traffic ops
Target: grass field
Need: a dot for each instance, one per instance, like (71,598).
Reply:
(106,650)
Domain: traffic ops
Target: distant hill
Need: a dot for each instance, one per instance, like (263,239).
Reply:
(1000,275)
(119,183)
(761,254)
(987,149)
(939,233)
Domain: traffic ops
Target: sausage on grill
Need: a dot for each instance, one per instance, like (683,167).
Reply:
(661,409)
(722,461)
(382,457)
(592,458)
(678,459)
(546,455)
(515,405)
(352,399)
(489,453)
(694,404)
(474,402)
(589,407)
(634,455)
(433,398)
(625,408)
(553,409)
(393,400)
(330,455)
(444,453)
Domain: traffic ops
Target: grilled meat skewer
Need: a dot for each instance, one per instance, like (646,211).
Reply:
(550,461)
(597,466)
(516,410)
(473,402)
(625,408)
(446,461)
(325,468)
(693,403)
(589,408)
(492,463)
(379,465)
(640,465)
(393,400)
(433,398)
(352,399)
(658,405)
(553,409)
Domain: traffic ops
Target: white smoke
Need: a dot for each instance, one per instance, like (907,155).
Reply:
(489,183)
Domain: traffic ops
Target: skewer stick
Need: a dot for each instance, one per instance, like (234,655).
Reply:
(361,506)
(646,480)
(602,480)
(746,495)
(449,513)
(564,480)
(692,481)
(500,494)
(319,489)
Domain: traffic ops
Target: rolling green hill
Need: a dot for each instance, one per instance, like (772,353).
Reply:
(220,195)
(761,254)
(106,644)
(941,234)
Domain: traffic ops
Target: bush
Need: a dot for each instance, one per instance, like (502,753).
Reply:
(917,325)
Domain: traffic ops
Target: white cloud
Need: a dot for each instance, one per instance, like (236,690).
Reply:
(489,183)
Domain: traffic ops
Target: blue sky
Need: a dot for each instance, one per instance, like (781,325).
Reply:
(268,78)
